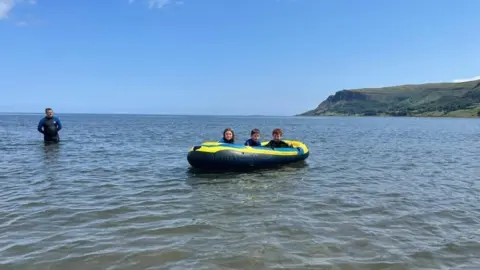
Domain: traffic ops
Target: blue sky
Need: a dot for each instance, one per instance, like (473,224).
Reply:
(275,57)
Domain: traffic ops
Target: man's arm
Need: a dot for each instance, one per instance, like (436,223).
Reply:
(59,124)
(40,125)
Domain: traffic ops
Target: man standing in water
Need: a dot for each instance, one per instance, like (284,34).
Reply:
(49,126)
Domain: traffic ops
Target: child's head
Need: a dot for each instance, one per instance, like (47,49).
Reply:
(255,134)
(228,134)
(277,134)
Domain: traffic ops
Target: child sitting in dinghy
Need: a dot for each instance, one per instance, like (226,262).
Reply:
(277,142)
(254,138)
(228,136)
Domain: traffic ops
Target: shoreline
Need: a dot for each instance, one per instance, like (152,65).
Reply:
(392,116)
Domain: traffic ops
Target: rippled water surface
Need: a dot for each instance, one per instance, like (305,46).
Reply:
(375,193)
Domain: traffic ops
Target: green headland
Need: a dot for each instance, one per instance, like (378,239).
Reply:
(432,99)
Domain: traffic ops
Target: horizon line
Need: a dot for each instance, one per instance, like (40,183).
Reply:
(147,114)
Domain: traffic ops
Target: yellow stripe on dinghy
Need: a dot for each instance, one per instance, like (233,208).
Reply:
(212,147)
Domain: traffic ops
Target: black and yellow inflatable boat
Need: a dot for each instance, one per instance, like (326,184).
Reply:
(224,156)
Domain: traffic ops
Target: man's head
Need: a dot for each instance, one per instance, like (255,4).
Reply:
(49,112)
(255,134)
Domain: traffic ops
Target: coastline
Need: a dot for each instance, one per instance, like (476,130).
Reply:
(422,115)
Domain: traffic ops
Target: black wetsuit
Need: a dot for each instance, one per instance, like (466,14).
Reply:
(279,144)
(50,128)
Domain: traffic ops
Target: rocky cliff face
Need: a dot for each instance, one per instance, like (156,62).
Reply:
(340,97)
(347,95)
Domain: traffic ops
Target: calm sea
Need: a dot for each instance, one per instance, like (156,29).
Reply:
(375,193)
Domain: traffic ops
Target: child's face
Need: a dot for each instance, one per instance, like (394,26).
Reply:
(228,135)
(276,136)
(255,137)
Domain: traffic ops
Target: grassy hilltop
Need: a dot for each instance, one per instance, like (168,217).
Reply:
(432,99)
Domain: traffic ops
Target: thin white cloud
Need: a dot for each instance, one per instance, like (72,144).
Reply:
(6,6)
(467,80)
(158,3)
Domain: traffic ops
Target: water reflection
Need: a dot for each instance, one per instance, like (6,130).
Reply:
(51,152)
(284,179)
(303,164)
(200,177)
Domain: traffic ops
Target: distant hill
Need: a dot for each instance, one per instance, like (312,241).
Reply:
(432,99)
